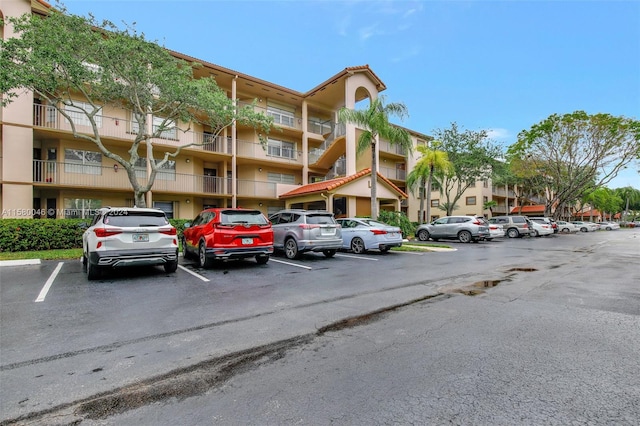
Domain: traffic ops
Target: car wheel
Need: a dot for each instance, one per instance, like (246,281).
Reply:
(464,236)
(423,235)
(608,228)
(94,272)
(185,252)
(203,260)
(84,262)
(357,245)
(171,267)
(534,233)
(584,230)
(262,259)
(291,249)
(385,249)
(565,230)
(513,233)
(329,253)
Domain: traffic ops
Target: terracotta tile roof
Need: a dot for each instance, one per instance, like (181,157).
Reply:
(536,208)
(331,184)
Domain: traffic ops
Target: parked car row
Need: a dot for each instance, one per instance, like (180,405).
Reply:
(119,237)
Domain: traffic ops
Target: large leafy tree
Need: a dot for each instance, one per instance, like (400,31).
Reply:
(80,66)
(374,121)
(630,198)
(433,162)
(473,157)
(605,200)
(577,153)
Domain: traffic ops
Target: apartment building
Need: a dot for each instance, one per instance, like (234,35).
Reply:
(309,162)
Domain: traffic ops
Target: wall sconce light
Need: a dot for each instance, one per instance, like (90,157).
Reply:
(260,204)
(188,160)
(260,169)
(259,99)
(188,201)
(115,168)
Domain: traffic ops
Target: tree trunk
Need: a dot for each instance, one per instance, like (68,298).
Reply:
(139,199)
(374,182)
(421,211)
(428,192)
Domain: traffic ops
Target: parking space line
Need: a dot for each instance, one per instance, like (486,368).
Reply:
(205,279)
(351,256)
(47,285)
(289,263)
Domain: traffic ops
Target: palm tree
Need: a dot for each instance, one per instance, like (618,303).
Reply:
(374,121)
(433,162)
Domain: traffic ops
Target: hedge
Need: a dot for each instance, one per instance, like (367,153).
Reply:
(48,234)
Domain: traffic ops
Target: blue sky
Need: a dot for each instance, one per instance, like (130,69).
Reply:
(501,66)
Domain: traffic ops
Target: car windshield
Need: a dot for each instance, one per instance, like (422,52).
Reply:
(249,217)
(128,219)
(320,219)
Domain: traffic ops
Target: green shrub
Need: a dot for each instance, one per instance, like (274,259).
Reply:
(49,234)
(398,219)
(40,234)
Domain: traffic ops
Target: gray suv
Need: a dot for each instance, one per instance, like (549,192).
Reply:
(514,226)
(463,228)
(297,231)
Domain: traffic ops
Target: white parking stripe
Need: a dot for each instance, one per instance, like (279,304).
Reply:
(356,257)
(289,263)
(47,285)
(205,279)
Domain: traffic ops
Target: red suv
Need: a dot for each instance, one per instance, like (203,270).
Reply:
(219,234)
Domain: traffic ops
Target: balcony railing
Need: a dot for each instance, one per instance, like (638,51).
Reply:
(392,173)
(270,153)
(93,176)
(280,117)
(319,127)
(114,127)
(393,148)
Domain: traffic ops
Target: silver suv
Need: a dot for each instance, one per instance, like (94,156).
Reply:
(119,237)
(463,228)
(297,231)
(514,226)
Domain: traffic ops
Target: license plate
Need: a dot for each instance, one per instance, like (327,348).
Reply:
(140,238)
(328,231)
(247,241)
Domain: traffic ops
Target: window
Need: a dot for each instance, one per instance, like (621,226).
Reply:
(170,130)
(84,162)
(485,199)
(485,183)
(165,206)
(281,178)
(166,172)
(276,148)
(79,117)
(471,201)
(79,208)
(435,203)
(281,114)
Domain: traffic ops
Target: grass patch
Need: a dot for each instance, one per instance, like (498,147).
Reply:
(43,254)
(419,247)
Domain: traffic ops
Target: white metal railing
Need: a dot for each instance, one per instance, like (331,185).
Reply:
(392,148)
(280,117)
(256,150)
(60,173)
(393,173)
(115,127)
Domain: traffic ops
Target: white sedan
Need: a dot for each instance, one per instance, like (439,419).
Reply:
(567,227)
(496,231)
(537,229)
(362,234)
(609,226)
(585,226)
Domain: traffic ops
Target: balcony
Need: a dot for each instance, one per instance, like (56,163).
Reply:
(84,176)
(280,117)
(256,151)
(392,148)
(319,127)
(45,116)
(393,173)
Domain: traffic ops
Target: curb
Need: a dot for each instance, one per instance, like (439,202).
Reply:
(19,262)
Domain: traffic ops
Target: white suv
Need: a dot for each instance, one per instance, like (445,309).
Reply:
(123,236)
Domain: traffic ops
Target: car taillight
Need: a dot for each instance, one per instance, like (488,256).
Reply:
(170,231)
(477,222)
(378,232)
(104,232)
(305,226)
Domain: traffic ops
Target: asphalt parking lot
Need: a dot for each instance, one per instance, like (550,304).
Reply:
(64,338)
